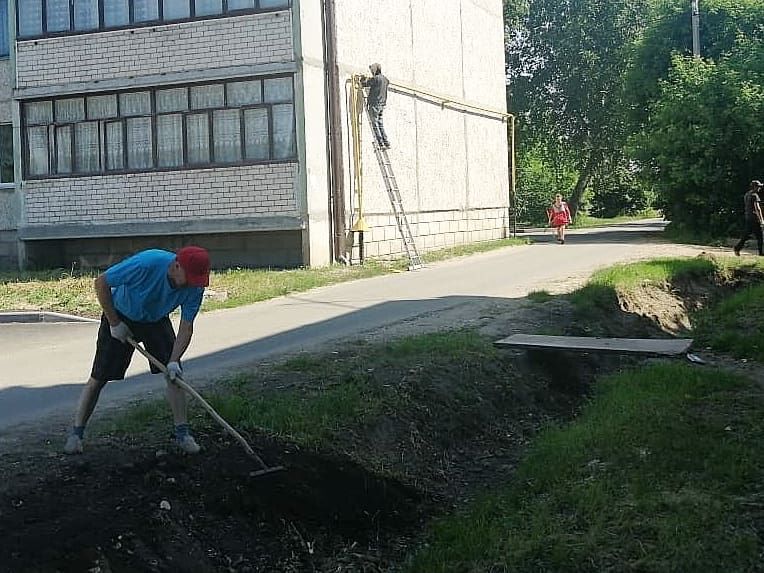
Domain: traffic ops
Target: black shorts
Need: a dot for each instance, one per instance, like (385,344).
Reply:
(113,357)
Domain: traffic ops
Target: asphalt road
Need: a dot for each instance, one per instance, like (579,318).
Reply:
(43,365)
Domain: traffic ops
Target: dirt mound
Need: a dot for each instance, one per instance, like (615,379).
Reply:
(665,309)
(174,513)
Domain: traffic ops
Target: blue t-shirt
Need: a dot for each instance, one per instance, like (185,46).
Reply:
(141,289)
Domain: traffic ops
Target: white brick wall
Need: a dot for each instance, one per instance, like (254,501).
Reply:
(233,192)
(201,45)
(433,230)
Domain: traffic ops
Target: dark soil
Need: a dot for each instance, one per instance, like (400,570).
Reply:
(455,430)
(106,511)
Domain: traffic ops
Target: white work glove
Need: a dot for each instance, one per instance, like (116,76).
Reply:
(121,332)
(174,371)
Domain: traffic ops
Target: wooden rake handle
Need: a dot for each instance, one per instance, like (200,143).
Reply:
(190,390)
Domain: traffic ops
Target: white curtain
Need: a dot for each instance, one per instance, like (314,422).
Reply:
(64,149)
(205,97)
(257,142)
(283,131)
(87,157)
(175,99)
(38,113)
(244,93)
(37,141)
(278,90)
(139,145)
(170,140)
(102,107)
(137,103)
(198,136)
(115,157)
(70,110)
(226,133)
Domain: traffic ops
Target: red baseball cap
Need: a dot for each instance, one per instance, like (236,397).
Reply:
(196,262)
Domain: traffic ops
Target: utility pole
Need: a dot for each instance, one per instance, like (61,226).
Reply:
(695,29)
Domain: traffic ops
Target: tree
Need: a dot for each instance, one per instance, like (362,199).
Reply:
(699,124)
(705,138)
(669,34)
(566,68)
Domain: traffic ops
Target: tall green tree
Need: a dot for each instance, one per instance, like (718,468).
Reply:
(566,68)
(705,138)
(699,123)
(669,33)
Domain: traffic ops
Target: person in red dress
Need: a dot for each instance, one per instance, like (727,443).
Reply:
(559,217)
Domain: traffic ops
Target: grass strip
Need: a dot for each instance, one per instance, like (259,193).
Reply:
(72,292)
(659,473)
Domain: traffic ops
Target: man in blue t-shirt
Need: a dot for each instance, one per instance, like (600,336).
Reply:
(136,296)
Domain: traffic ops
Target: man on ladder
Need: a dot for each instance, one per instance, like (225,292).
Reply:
(377,99)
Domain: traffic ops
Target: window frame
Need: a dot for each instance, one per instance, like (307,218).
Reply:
(208,112)
(132,23)
(10,184)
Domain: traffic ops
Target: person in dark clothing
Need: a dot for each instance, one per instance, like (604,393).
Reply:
(377,100)
(753,218)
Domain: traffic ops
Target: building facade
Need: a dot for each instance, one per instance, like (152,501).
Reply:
(126,124)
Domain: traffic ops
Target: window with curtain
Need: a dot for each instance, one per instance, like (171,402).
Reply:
(6,154)
(176,127)
(257,141)
(64,149)
(170,140)
(115,149)
(76,16)
(198,135)
(87,158)
(140,148)
(283,131)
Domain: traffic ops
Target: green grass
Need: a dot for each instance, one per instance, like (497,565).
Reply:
(689,237)
(316,395)
(540,296)
(72,292)
(308,418)
(735,325)
(584,221)
(655,475)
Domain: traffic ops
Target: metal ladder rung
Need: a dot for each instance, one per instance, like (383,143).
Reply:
(396,202)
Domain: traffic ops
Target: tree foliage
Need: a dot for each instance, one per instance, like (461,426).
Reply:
(566,66)
(705,138)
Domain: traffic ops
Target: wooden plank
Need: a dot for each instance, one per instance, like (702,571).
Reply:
(661,347)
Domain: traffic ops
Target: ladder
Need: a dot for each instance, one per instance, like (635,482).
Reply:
(391,184)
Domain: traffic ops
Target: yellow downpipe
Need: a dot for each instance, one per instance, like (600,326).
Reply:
(356,113)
